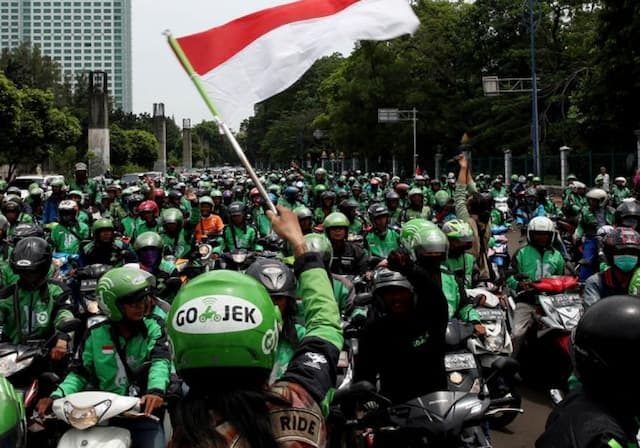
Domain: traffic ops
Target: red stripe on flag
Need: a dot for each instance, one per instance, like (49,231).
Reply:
(208,49)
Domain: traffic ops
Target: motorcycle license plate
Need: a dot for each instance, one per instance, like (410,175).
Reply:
(564,300)
(459,361)
(488,314)
(88,284)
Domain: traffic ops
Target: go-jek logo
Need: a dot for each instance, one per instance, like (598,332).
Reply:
(216,314)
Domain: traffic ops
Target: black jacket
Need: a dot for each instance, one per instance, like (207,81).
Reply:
(352,260)
(579,421)
(408,352)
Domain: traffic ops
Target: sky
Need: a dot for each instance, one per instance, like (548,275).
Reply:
(157,75)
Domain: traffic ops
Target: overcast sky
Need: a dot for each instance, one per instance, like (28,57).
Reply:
(157,75)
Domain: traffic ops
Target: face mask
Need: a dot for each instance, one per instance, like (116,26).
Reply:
(625,263)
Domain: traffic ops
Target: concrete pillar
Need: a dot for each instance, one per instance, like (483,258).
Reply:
(508,166)
(438,165)
(394,164)
(160,131)
(187,159)
(564,164)
(98,138)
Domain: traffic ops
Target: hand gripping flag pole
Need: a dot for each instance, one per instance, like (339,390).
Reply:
(184,61)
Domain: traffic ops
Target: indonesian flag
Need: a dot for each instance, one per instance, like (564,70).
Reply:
(256,56)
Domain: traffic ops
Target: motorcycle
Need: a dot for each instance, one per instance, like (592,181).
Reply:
(502,205)
(364,418)
(546,351)
(88,413)
(499,257)
(237,260)
(496,314)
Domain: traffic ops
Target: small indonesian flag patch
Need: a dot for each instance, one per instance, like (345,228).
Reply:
(107,349)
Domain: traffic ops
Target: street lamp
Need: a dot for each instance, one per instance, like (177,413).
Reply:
(395,115)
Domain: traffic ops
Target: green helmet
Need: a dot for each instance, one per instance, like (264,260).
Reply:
(318,243)
(148,239)
(303,212)
(216,193)
(13,423)
(206,200)
(537,179)
(101,224)
(122,285)
(442,197)
(415,191)
(321,171)
(3,185)
(335,219)
(205,333)
(173,215)
(428,240)
(319,189)
(456,229)
(413,231)
(571,177)
(57,182)
(514,178)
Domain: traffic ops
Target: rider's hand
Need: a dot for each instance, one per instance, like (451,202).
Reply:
(286,225)
(43,405)
(480,330)
(462,161)
(151,402)
(60,350)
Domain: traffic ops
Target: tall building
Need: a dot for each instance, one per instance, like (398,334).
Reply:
(80,35)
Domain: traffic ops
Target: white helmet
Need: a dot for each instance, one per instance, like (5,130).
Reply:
(576,185)
(621,179)
(599,195)
(540,224)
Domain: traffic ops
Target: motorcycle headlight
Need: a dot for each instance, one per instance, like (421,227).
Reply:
(204,250)
(83,418)
(456,378)
(239,258)
(91,306)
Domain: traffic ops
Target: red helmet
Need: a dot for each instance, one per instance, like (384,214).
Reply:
(149,206)
(158,193)
(254,192)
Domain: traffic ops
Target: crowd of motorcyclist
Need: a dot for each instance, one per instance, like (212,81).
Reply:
(416,244)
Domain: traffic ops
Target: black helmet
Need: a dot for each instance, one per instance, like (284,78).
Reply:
(348,206)
(392,195)
(277,278)
(602,343)
(328,195)
(11,206)
(628,214)
(481,203)
(620,238)
(31,254)
(236,208)
(378,210)
(24,230)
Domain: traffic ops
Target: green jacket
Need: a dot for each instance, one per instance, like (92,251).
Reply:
(100,363)
(141,227)
(284,354)
(22,218)
(618,194)
(410,214)
(529,260)
(68,239)
(129,225)
(343,292)
(499,192)
(459,306)
(11,278)
(178,247)
(462,267)
(381,246)
(37,317)
(235,237)
(355,227)
(590,221)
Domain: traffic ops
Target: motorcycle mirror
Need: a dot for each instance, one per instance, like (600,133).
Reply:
(70,325)
(363,299)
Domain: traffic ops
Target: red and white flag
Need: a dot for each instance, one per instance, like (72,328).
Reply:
(256,56)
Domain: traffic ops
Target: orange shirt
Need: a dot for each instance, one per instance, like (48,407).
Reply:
(211,224)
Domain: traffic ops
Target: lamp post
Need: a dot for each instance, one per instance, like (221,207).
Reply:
(637,134)
(507,166)
(187,160)
(160,131)
(534,93)
(395,115)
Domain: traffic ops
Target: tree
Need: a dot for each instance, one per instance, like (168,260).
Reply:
(144,147)
(32,128)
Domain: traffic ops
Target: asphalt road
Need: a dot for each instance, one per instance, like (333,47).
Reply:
(527,427)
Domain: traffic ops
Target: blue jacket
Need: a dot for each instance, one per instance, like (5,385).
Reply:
(50,213)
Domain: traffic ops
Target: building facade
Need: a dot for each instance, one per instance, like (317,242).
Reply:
(80,35)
